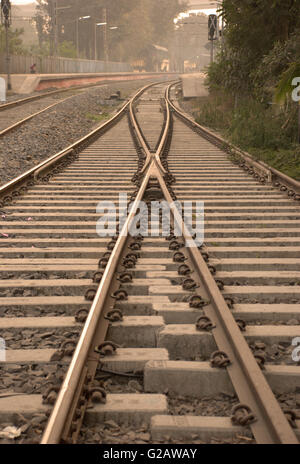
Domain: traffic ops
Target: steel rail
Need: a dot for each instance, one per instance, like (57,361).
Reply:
(31,116)
(139,134)
(271,173)
(55,427)
(272,426)
(5,189)
(22,101)
(36,171)
(248,380)
(65,401)
(149,155)
(28,118)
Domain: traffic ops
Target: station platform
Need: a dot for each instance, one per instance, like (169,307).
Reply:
(29,83)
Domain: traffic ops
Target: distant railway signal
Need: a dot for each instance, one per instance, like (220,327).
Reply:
(6,12)
(212,33)
(212,27)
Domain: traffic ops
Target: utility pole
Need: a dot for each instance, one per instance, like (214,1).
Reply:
(105,35)
(95,42)
(55,28)
(6,20)
(77,37)
(52,30)
(95,37)
(82,18)
(299,122)
(56,9)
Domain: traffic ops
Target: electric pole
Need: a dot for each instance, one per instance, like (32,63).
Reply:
(55,12)
(52,27)
(55,28)
(6,20)
(105,34)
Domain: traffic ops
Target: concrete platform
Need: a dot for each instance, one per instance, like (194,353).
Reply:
(29,83)
(23,83)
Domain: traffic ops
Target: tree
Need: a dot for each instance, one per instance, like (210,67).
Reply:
(140,24)
(253,30)
(15,41)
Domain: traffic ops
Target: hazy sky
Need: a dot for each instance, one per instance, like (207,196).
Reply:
(21,2)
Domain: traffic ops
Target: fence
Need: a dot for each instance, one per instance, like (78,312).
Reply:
(52,65)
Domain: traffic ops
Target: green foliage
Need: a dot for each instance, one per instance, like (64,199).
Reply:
(255,129)
(67,49)
(15,41)
(215,112)
(285,160)
(261,40)
(41,50)
(97,117)
(251,124)
(270,70)
(259,59)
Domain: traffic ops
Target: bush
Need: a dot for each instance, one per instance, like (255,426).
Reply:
(268,133)
(251,124)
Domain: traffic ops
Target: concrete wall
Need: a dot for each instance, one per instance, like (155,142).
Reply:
(51,65)
(193,85)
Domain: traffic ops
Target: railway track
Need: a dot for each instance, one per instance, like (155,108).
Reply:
(34,105)
(149,312)
(46,94)
(17,113)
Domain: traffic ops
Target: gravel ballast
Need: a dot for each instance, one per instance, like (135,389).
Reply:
(52,131)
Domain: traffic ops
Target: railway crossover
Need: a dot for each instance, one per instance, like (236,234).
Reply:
(105,331)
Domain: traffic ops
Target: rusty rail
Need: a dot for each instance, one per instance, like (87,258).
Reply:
(34,173)
(31,116)
(271,174)
(23,101)
(60,422)
(249,382)
(247,378)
